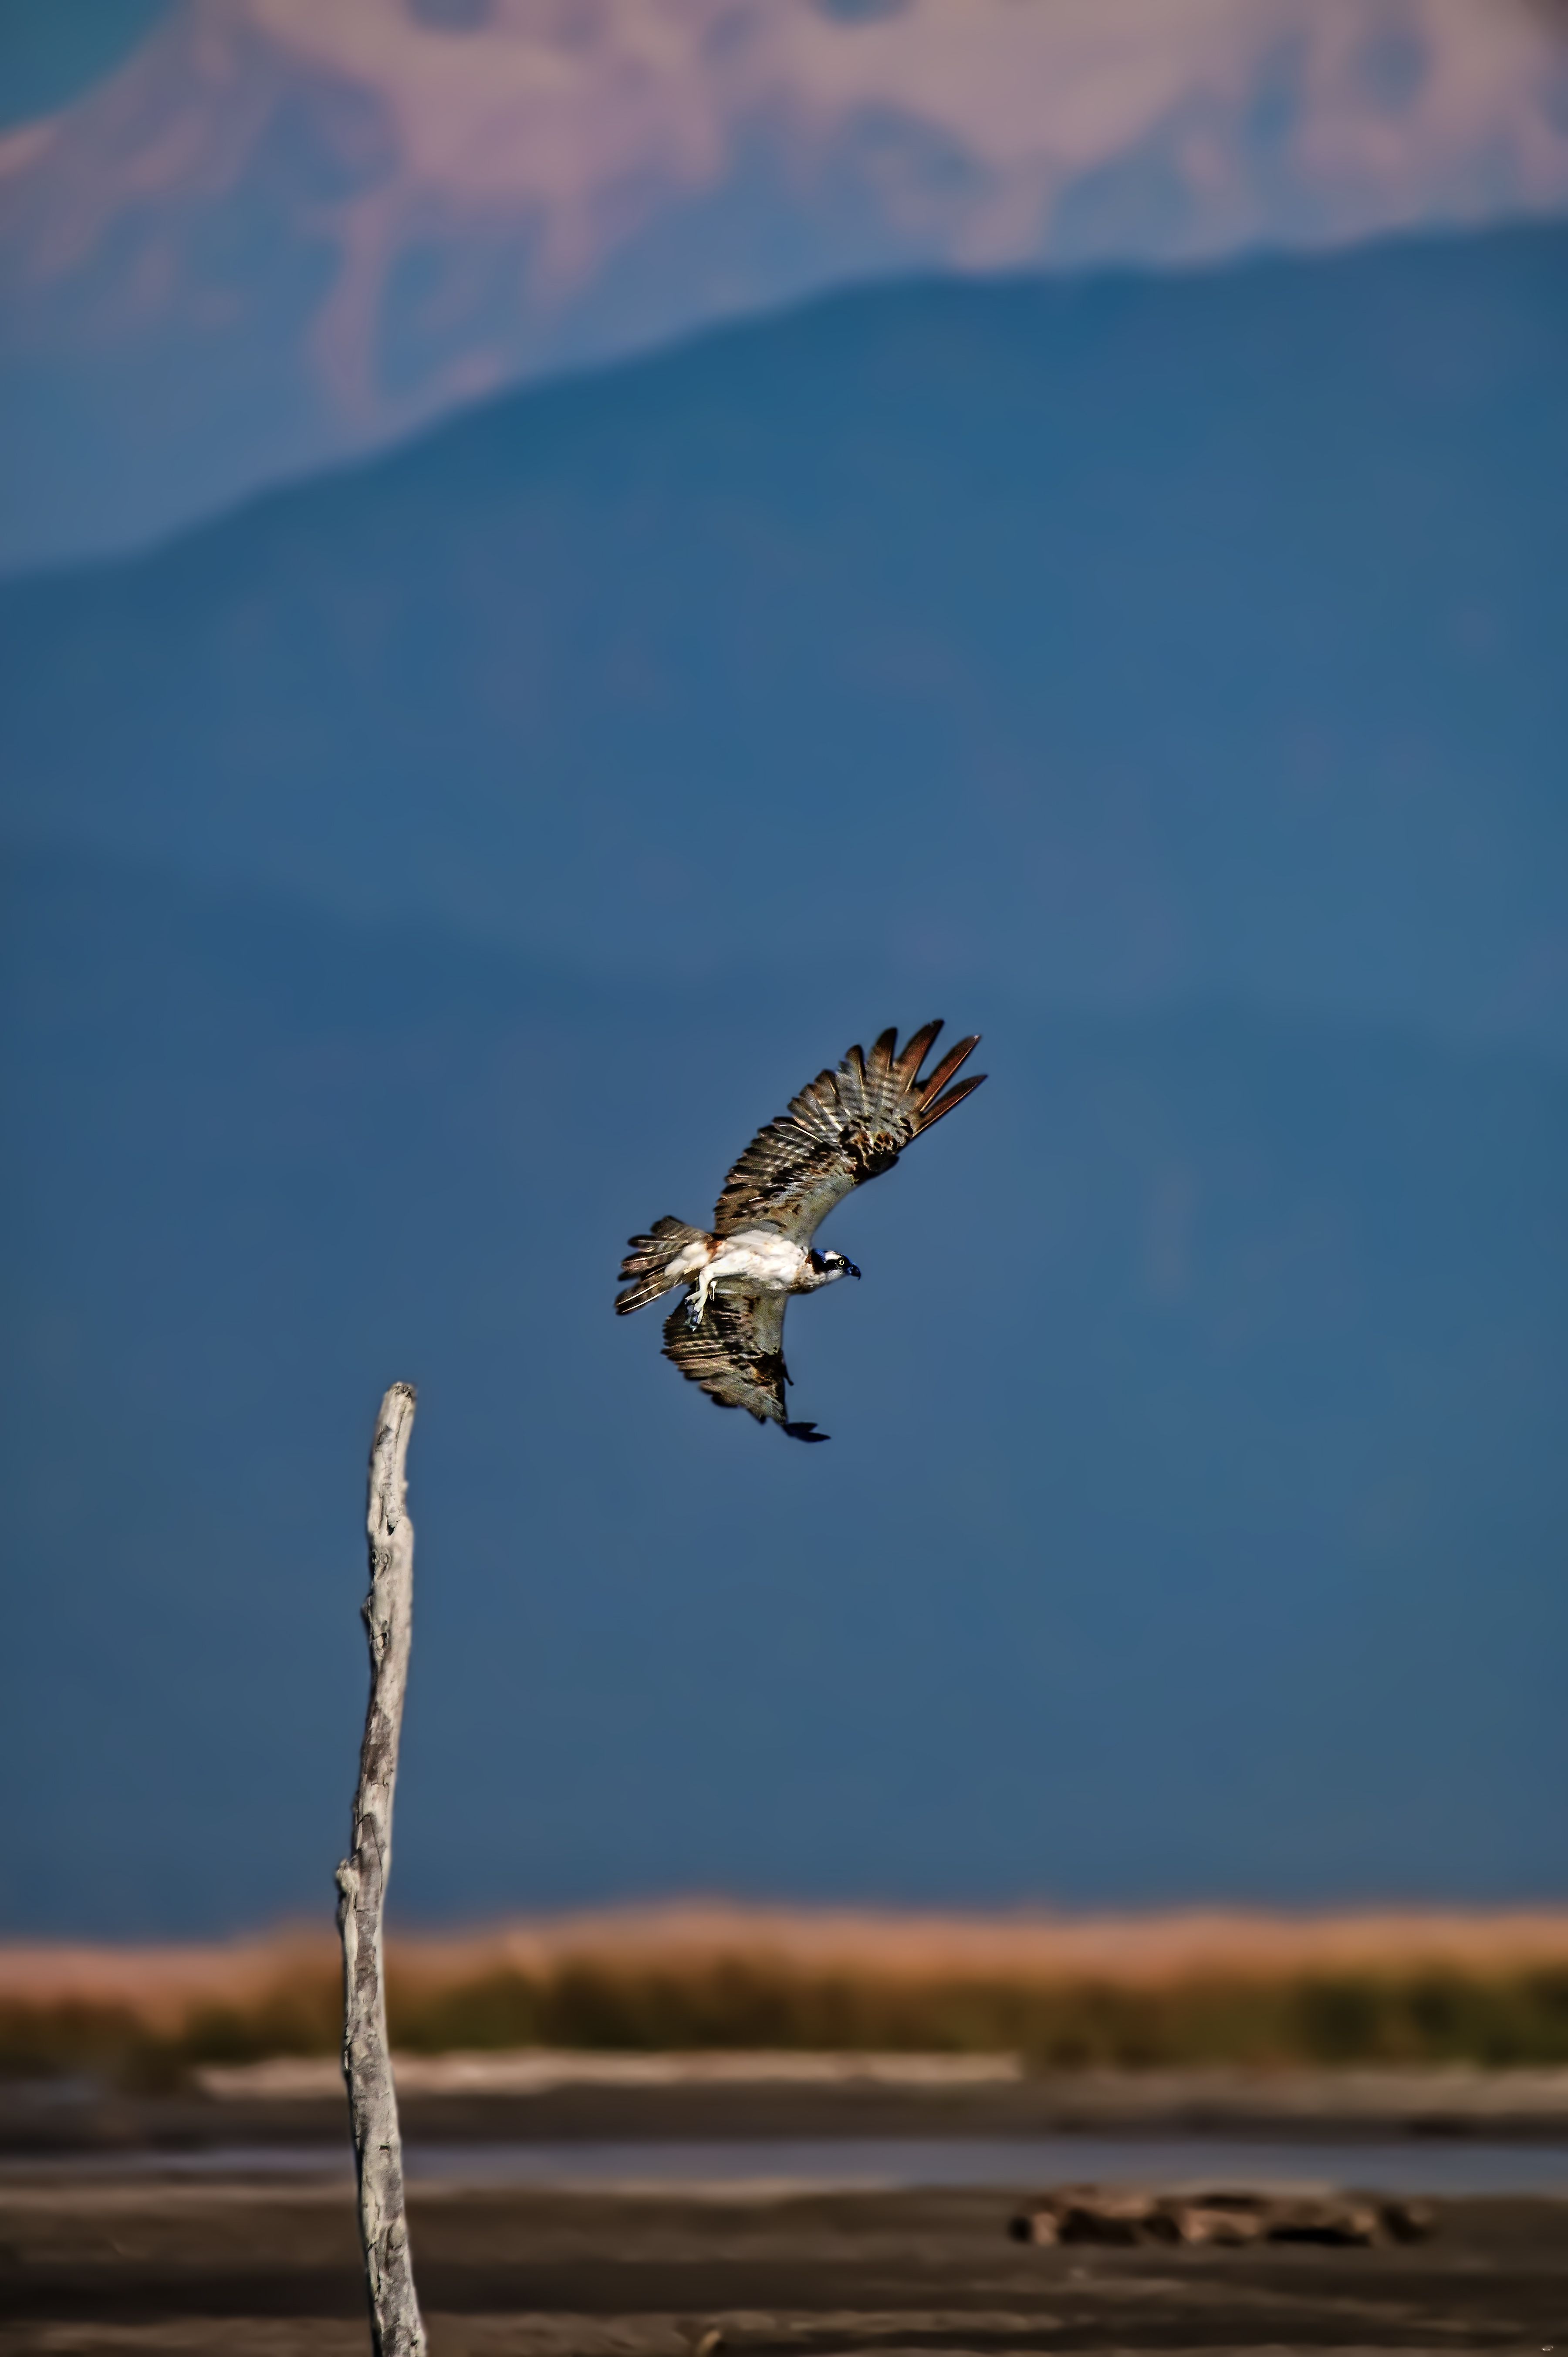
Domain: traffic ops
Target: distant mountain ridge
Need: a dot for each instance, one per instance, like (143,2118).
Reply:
(284,233)
(1114,643)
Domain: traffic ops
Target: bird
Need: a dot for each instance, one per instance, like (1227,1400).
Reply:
(845,1126)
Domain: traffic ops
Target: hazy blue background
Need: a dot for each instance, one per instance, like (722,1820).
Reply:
(417,878)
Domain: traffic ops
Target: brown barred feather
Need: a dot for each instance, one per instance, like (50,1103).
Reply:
(843,1128)
(916,1050)
(647,1264)
(736,1355)
(879,1064)
(944,1072)
(932,1115)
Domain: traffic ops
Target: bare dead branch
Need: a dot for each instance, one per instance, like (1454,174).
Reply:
(395,2327)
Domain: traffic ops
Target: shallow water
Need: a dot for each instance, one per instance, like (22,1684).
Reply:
(739,2170)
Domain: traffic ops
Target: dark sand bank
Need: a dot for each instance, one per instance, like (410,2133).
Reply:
(130,2223)
(63,2118)
(255,2270)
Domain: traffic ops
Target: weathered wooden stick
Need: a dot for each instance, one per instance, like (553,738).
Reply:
(395,2327)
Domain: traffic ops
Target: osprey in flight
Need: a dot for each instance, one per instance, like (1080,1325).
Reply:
(850,1125)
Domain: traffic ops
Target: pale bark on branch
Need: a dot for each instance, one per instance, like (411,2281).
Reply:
(395,2326)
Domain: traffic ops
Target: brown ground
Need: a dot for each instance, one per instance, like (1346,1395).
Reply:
(252,2270)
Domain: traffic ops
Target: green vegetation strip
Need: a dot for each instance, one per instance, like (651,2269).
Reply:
(1427,2017)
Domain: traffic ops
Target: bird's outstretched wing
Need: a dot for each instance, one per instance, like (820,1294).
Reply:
(738,1356)
(847,1127)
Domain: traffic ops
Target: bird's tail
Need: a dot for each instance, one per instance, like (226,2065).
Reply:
(655,1262)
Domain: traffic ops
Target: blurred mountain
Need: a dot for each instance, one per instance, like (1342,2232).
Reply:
(430,874)
(1108,644)
(282,232)
(1193,1524)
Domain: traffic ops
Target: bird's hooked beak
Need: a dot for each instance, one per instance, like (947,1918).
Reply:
(851,1268)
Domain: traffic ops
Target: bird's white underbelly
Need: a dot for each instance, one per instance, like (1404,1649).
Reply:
(758,1259)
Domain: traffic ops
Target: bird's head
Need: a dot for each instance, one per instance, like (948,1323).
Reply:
(834,1265)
